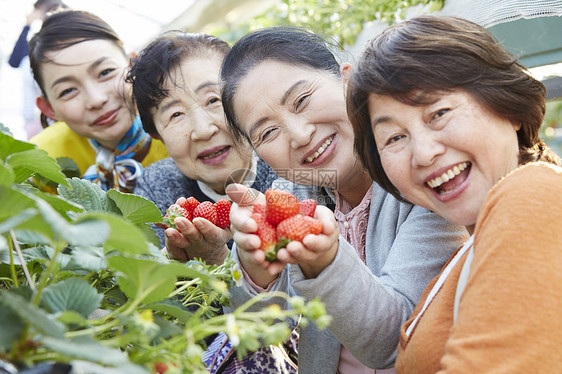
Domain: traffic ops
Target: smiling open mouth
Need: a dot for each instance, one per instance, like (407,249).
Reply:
(214,154)
(448,181)
(320,150)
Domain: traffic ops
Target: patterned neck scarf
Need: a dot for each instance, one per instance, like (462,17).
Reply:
(118,169)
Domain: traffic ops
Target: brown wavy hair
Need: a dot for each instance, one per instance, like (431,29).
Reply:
(437,54)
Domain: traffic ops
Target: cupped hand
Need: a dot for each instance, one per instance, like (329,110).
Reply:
(197,239)
(252,258)
(315,252)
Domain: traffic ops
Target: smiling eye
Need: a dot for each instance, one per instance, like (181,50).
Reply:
(301,101)
(440,113)
(106,72)
(66,92)
(394,139)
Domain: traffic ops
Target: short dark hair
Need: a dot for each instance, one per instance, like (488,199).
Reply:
(64,29)
(157,60)
(436,54)
(291,45)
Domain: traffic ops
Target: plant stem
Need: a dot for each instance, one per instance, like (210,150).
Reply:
(22,260)
(59,246)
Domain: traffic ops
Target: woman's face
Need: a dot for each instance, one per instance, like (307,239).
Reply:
(84,86)
(444,156)
(297,122)
(190,121)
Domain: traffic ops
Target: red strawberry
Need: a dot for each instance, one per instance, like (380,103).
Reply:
(223,213)
(259,208)
(297,227)
(267,235)
(190,204)
(314,226)
(280,205)
(206,210)
(160,367)
(307,207)
(173,212)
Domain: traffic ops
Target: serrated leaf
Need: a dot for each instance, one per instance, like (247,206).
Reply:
(86,350)
(135,208)
(35,317)
(9,145)
(71,294)
(32,161)
(147,280)
(5,130)
(89,195)
(7,176)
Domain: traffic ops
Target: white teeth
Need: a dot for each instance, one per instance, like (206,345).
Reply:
(448,175)
(320,150)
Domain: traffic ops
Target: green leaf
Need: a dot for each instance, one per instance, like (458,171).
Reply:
(17,219)
(11,326)
(5,130)
(60,204)
(9,145)
(135,208)
(86,231)
(147,280)
(71,294)
(86,350)
(124,236)
(86,258)
(89,195)
(69,317)
(32,161)
(7,176)
(35,317)
(12,202)
(171,307)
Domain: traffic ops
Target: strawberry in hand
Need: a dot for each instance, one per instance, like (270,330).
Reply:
(173,212)
(223,213)
(280,205)
(206,210)
(296,228)
(268,236)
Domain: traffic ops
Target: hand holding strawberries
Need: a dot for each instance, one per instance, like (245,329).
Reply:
(278,233)
(198,230)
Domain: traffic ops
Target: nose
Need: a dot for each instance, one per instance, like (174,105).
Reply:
(206,125)
(300,133)
(426,147)
(97,96)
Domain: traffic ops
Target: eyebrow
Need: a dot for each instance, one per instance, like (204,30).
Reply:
(283,100)
(177,101)
(378,120)
(90,69)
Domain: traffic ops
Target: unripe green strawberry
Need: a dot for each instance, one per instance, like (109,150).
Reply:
(268,236)
(308,207)
(223,213)
(297,227)
(280,205)
(206,210)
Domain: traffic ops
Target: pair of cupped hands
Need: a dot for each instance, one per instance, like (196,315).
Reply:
(202,239)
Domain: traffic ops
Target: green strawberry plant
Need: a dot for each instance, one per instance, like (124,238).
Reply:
(83,283)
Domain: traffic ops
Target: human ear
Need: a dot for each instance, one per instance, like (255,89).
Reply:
(345,70)
(45,107)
